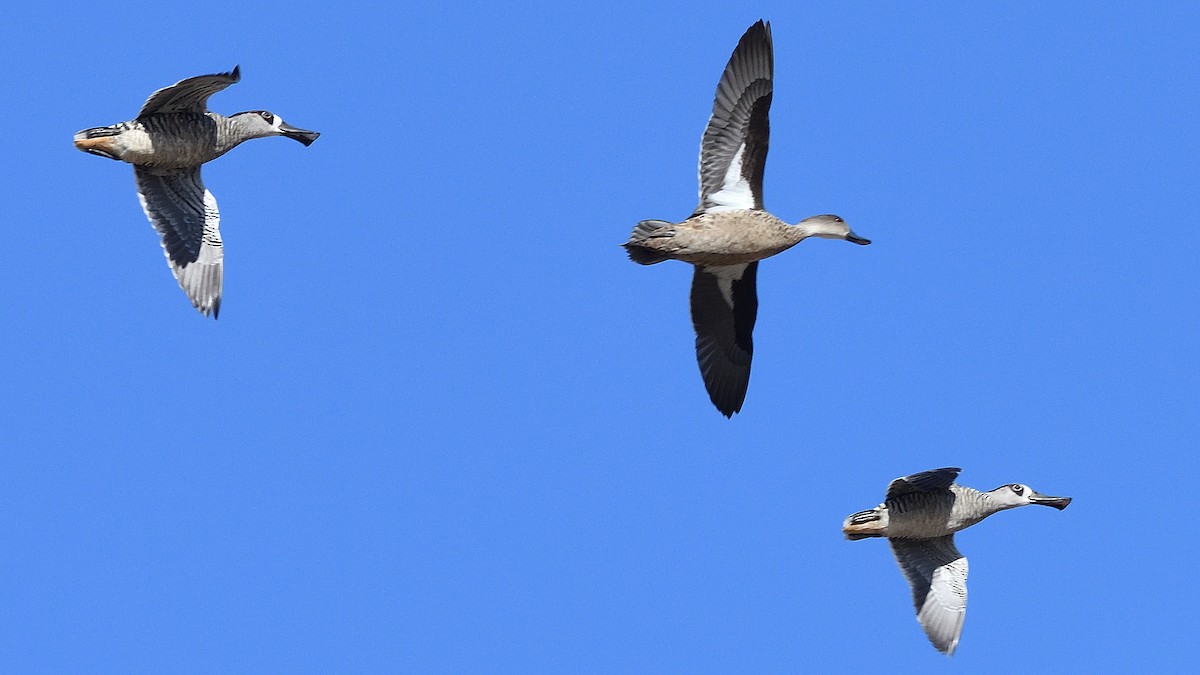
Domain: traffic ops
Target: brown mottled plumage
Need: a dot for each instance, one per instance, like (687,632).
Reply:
(729,232)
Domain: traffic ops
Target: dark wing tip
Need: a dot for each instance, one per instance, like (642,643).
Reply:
(761,30)
(726,408)
(725,379)
(757,39)
(726,389)
(236,73)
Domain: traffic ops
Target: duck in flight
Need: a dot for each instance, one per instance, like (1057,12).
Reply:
(729,232)
(171,137)
(919,517)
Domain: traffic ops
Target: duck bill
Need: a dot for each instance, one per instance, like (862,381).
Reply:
(1059,503)
(296,133)
(855,239)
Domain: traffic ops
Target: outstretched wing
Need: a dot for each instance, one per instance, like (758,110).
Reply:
(190,95)
(937,573)
(733,151)
(185,213)
(926,481)
(724,308)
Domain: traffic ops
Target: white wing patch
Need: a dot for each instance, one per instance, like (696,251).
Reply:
(735,193)
(937,573)
(726,275)
(946,605)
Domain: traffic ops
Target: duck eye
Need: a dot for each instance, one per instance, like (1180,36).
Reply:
(1017,489)
(267,116)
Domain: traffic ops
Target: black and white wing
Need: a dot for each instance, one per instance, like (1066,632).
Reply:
(926,481)
(733,151)
(724,308)
(185,213)
(937,573)
(190,95)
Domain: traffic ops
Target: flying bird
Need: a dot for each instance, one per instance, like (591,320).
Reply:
(729,232)
(919,517)
(173,134)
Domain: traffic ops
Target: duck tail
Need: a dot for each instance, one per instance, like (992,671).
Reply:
(98,140)
(100,132)
(864,524)
(636,247)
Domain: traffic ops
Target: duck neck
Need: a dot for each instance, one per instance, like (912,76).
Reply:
(231,132)
(813,227)
(971,506)
(799,232)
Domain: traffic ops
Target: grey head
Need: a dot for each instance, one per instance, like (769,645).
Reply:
(263,123)
(829,226)
(1015,494)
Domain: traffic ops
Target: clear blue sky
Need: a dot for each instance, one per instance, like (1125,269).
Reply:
(444,425)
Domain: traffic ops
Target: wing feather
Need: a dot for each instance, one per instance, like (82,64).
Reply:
(925,481)
(724,308)
(733,151)
(937,573)
(185,213)
(190,95)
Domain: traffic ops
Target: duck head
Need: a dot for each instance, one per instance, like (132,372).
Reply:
(263,123)
(830,227)
(1016,494)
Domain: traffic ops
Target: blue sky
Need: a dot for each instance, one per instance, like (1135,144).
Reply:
(444,425)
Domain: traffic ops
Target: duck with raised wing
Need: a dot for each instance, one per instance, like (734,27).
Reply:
(168,141)
(729,232)
(919,517)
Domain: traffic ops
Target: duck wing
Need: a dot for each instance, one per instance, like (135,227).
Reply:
(926,481)
(724,309)
(937,573)
(733,150)
(190,95)
(185,213)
